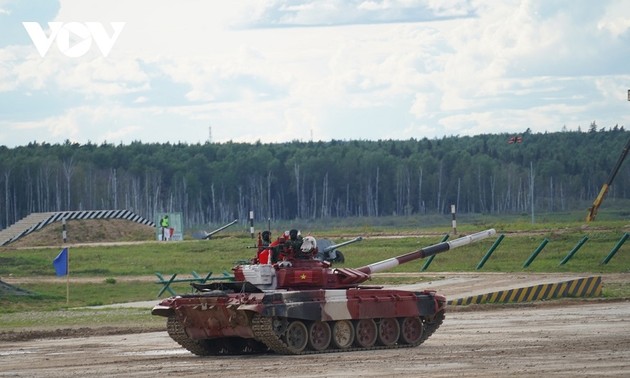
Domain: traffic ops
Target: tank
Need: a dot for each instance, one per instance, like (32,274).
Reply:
(327,250)
(302,305)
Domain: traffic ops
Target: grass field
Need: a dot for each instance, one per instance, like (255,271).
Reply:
(105,274)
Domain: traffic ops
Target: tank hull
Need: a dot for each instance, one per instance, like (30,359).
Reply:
(304,321)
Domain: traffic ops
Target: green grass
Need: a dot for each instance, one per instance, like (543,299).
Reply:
(47,308)
(220,254)
(52,296)
(126,273)
(616,290)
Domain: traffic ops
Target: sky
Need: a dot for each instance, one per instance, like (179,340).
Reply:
(192,71)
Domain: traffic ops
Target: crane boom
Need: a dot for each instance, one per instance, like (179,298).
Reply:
(592,211)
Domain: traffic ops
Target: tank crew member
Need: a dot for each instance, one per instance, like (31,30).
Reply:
(264,251)
(309,247)
(276,248)
(294,243)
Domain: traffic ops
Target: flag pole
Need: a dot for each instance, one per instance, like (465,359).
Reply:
(61,263)
(64,236)
(68,279)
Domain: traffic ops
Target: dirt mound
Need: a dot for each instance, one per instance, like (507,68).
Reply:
(88,231)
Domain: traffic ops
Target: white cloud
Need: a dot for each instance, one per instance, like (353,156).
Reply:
(615,19)
(276,70)
(101,78)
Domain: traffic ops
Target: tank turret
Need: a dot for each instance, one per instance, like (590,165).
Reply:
(300,304)
(300,270)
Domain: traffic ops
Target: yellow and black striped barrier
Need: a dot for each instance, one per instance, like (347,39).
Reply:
(576,288)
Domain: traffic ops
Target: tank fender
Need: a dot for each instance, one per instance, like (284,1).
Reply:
(162,310)
(304,311)
(306,305)
(427,303)
(335,305)
(251,307)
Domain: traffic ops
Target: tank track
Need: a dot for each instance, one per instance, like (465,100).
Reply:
(431,326)
(264,332)
(267,337)
(177,333)
(212,347)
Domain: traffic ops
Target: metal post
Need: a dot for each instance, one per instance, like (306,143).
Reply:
(574,250)
(251,223)
(63,232)
(489,253)
(430,259)
(619,243)
(454,220)
(536,252)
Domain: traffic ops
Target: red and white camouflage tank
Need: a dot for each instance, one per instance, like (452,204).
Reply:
(298,304)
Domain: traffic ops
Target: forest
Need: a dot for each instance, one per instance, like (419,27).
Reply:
(219,182)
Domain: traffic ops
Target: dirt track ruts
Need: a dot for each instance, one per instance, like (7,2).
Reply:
(568,341)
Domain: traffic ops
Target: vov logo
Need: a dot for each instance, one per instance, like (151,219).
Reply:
(74,39)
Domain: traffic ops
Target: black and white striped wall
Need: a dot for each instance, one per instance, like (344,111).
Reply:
(37,221)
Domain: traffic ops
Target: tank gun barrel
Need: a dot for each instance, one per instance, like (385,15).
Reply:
(426,252)
(335,246)
(209,234)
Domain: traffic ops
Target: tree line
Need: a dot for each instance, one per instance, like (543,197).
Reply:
(218,182)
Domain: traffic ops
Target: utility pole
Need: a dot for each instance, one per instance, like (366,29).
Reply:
(531,189)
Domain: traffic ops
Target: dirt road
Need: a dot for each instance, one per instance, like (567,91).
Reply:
(572,340)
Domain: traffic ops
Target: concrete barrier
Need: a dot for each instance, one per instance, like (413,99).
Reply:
(574,288)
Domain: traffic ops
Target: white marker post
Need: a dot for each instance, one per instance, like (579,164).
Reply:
(454,220)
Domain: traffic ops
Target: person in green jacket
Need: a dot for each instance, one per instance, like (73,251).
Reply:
(164,224)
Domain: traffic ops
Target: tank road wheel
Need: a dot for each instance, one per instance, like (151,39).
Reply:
(319,335)
(280,326)
(342,334)
(411,330)
(366,333)
(296,337)
(388,331)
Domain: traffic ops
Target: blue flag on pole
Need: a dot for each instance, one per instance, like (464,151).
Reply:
(61,262)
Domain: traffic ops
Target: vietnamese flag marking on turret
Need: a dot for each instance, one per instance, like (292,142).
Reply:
(303,276)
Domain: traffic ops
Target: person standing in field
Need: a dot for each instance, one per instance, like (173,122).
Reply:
(164,224)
